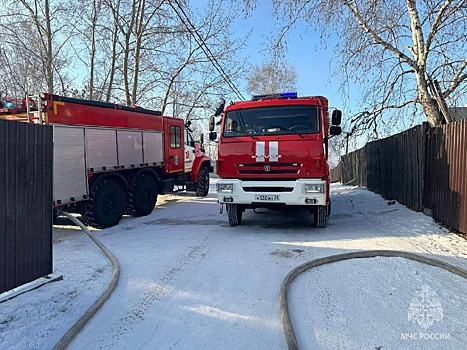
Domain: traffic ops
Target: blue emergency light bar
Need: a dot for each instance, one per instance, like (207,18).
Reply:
(284,95)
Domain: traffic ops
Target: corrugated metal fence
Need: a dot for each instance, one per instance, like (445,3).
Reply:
(25,203)
(421,168)
(446,174)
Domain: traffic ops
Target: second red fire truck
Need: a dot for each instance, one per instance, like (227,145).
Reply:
(272,153)
(111,159)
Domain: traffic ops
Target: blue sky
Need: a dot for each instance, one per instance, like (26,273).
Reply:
(310,56)
(304,52)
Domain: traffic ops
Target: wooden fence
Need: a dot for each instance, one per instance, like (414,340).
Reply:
(25,203)
(421,168)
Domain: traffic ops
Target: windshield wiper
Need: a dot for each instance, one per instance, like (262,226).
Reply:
(241,133)
(291,129)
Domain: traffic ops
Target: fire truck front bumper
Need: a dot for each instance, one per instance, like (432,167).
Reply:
(298,192)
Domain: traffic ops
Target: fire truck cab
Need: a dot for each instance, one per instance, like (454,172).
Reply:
(272,153)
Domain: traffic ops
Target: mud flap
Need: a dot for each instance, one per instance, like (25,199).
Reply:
(167,186)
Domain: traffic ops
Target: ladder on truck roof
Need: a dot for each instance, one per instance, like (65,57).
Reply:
(34,114)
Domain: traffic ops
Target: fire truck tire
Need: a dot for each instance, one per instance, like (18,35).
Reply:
(235,214)
(142,196)
(320,216)
(107,204)
(202,186)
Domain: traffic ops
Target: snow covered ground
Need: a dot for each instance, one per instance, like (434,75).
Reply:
(190,281)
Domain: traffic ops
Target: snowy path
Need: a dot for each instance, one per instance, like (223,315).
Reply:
(189,281)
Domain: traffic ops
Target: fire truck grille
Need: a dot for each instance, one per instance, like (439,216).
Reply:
(245,172)
(268,189)
(275,165)
(268,168)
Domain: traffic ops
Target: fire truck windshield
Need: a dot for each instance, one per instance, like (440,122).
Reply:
(276,120)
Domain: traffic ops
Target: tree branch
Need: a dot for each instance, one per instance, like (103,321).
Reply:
(457,80)
(375,36)
(435,26)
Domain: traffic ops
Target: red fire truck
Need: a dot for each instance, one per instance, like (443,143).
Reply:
(110,159)
(272,153)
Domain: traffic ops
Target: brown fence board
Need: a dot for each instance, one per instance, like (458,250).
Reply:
(446,176)
(390,167)
(25,203)
(420,168)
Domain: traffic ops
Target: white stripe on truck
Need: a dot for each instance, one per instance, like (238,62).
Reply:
(273,151)
(260,151)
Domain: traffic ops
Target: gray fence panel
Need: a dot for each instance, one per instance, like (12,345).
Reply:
(26,161)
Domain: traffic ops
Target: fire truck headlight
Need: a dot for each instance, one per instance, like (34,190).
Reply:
(313,188)
(225,188)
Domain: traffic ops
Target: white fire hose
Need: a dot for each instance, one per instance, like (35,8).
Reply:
(81,322)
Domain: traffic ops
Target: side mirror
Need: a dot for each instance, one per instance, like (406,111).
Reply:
(336,117)
(220,109)
(335,130)
(212,123)
(212,136)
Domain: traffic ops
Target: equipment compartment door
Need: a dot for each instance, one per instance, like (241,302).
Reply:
(69,164)
(174,145)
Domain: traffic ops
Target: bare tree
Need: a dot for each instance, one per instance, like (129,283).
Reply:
(404,53)
(137,21)
(91,14)
(96,46)
(271,78)
(20,73)
(122,51)
(41,17)
(33,43)
(192,82)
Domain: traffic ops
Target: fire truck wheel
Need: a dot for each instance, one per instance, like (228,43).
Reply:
(320,216)
(107,204)
(142,195)
(235,214)
(202,186)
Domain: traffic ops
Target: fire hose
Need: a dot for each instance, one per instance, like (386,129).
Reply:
(283,304)
(92,310)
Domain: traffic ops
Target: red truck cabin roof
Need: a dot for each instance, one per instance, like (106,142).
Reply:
(256,102)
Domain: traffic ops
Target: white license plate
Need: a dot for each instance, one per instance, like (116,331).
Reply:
(268,198)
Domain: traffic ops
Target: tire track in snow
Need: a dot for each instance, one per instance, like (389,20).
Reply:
(121,329)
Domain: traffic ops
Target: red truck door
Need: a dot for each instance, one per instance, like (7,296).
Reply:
(174,145)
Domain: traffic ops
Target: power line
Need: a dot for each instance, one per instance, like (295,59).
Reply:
(200,41)
(204,47)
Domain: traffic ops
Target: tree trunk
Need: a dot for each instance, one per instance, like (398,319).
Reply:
(138,43)
(429,105)
(125,63)
(93,48)
(49,53)
(113,63)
